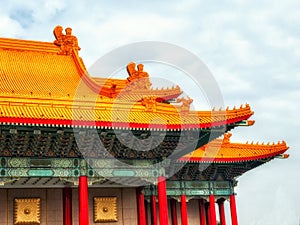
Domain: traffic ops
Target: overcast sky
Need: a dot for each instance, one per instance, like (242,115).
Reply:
(251,47)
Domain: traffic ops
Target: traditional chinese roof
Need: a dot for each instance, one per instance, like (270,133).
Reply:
(46,91)
(46,83)
(222,150)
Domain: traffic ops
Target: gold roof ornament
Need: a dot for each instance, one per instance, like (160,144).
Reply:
(186,103)
(150,103)
(67,42)
(139,79)
(226,138)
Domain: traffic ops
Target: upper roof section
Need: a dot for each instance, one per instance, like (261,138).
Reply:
(45,83)
(42,69)
(35,69)
(223,151)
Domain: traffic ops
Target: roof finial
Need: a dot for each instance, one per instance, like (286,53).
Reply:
(138,78)
(150,103)
(67,42)
(186,103)
(226,138)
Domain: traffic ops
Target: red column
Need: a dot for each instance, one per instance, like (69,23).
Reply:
(208,217)
(174,212)
(146,211)
(234,220)
(67,206)
(184,218)
(141,207)
(153,210)
(221,211)
(83,201)
(212,210)
(202,212)
(162,200)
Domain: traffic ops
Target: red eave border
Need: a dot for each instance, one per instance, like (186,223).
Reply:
(74,123)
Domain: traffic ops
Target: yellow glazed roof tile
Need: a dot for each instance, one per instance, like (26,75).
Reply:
(37,74)
(27,63)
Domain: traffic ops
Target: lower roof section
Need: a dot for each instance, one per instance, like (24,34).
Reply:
(223,151)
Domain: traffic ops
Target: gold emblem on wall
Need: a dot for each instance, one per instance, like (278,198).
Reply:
(27,211)
(105,209)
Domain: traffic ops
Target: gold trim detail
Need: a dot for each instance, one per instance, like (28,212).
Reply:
(105,209)
(27,211)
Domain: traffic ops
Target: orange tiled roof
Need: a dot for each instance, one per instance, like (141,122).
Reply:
(27,63)
(45,83)
(222,150)
(36,70)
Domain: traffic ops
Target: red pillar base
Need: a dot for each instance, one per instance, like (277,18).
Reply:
(174,212)
(162,200)
(153,210)
(233,212)
(212,210)
(83,201)
(141,207)
(207,214)
(67,206)
(202,212)
(184,217)
(221,211)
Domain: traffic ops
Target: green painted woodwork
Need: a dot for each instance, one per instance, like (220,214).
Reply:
(40,173)
(222,192)
(95,169)
(58,167)
(123,173)
(195,188)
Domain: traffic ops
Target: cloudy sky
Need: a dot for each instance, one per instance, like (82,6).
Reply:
(252,48)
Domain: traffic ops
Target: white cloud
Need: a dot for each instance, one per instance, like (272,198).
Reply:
(44,10)
(9,27)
